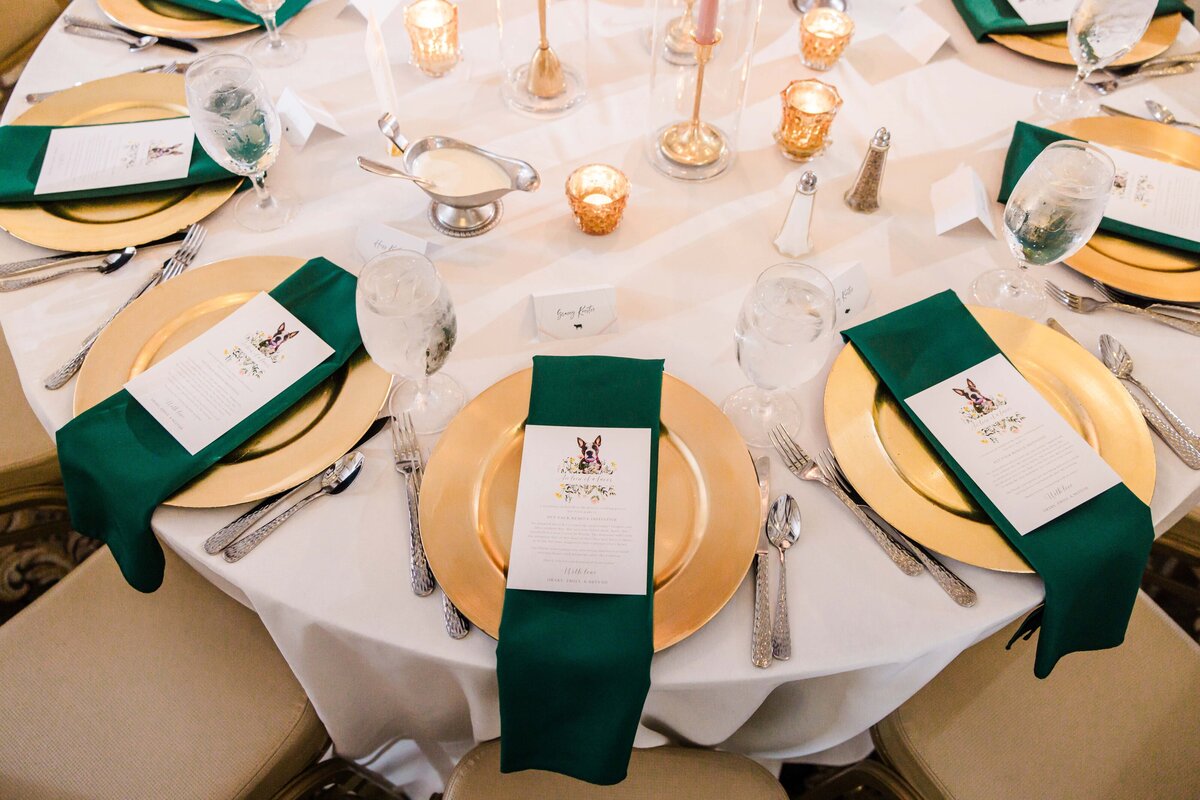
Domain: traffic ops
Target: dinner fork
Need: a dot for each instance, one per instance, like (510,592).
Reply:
(1086,305)
(804,468)
(1118,296)
(160,69)
(951,584)
(171,268)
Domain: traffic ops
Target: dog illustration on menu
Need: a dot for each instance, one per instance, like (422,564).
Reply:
(589,461)
(271,344)
(978,400)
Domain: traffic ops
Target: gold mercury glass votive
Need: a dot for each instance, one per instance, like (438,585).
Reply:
(824,34)
(809,107)
(433,28)
(597,193)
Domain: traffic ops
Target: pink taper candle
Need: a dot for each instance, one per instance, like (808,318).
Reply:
(706,22)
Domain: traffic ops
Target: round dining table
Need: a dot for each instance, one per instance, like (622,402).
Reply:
(332,587)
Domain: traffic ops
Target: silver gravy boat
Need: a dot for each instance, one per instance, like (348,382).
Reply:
(461,215)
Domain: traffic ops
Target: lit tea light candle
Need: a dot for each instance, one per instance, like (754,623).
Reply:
(824,34)
(432,27)
(809,107)
(597,194)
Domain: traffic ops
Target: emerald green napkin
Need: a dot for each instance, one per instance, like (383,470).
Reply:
(118,463)
(232,9)
(1091,558)
(998,16)
(24,147)
(574,669)
(1029,140)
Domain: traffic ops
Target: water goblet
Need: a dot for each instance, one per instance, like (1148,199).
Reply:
(275,49)
(1099,32)
(783,333)
(408,326)
(1053,210)
(238,126)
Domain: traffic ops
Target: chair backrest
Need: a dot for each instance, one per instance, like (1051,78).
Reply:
(21,24)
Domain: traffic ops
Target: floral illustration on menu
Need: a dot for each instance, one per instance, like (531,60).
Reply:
(985,413)
(263,348)
(586,476)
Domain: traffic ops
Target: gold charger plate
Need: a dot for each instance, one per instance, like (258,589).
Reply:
(707,522)
(113,222)
(296,446)
(160,18)
(1129,265)
(899,475)
(1052,47)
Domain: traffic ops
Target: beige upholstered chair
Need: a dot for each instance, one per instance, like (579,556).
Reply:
(22,24)
(660,772)
(1121,724)
(109,694)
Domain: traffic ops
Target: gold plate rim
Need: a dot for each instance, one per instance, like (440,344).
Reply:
(111,362)
(31,222)
(1160,35)
(849,420)
(1179,281)
(684,603)
(133,14)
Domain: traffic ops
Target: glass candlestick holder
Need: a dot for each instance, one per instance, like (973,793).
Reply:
(432,27)
(544,54)
(696,103)
(824,35)
(809,107)
(597,194)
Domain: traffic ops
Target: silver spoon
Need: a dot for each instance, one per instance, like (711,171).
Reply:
(336,479)
(1120,363)
(376,168)
(783,529)
(111,263)
(1165,116)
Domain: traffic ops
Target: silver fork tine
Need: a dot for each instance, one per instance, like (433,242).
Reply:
(1061,296)
(833,470)
(1108,292)
(783,445)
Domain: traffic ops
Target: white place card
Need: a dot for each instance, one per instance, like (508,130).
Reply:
(918,34)
(382,8)
(124,154)
(381,67)
(1028,461)
(208,386)
(583,510)
(1154,195)
(1043,12)
(851,289)
(577,313)
(374,238)
(301,116)
(960,198)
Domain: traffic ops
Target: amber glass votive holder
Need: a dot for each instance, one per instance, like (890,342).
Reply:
(597,194)
(824,34)
(432,27)
(809,107)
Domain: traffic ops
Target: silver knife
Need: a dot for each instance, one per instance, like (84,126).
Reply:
(761,654)
(62,259)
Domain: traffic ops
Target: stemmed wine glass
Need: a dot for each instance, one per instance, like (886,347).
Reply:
(783,333)
(408,326)
(238,126)
(1053,210)
(1099,32)
(275,49)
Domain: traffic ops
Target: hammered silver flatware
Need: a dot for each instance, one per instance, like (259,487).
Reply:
(111,263)
(954,586)
(407,451)
(62,259)
(1086,305)
(803,467)
(1164,115)
(335,480)
(1110,85)
(457,625)
(1118,296)
(760,636)
(783,529)
(78,26)
(1120,363)
(171,268)
(162,69)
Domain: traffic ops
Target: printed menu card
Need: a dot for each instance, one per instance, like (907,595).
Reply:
(1043,12)
(125,154)
(1025,457)
(208,386)
(1154,195)
(583,507)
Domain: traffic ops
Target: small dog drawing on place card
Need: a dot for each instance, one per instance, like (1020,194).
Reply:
(271,344)
(589,461)
(978,400)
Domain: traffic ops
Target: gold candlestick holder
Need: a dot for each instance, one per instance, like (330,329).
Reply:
(679,43)
(694,143)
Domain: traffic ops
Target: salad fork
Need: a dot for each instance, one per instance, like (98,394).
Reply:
(803,467)
(161,69)
(1086,305)
(1118,296)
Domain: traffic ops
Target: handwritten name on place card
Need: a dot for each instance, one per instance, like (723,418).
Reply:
(582,312)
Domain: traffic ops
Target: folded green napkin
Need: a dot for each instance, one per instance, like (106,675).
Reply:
(24,147)
(1091,558)
(232,9)
(998,16)
(574,669)
(119,463)
(1029,140)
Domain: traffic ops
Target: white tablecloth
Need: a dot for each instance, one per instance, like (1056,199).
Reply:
(333,588)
